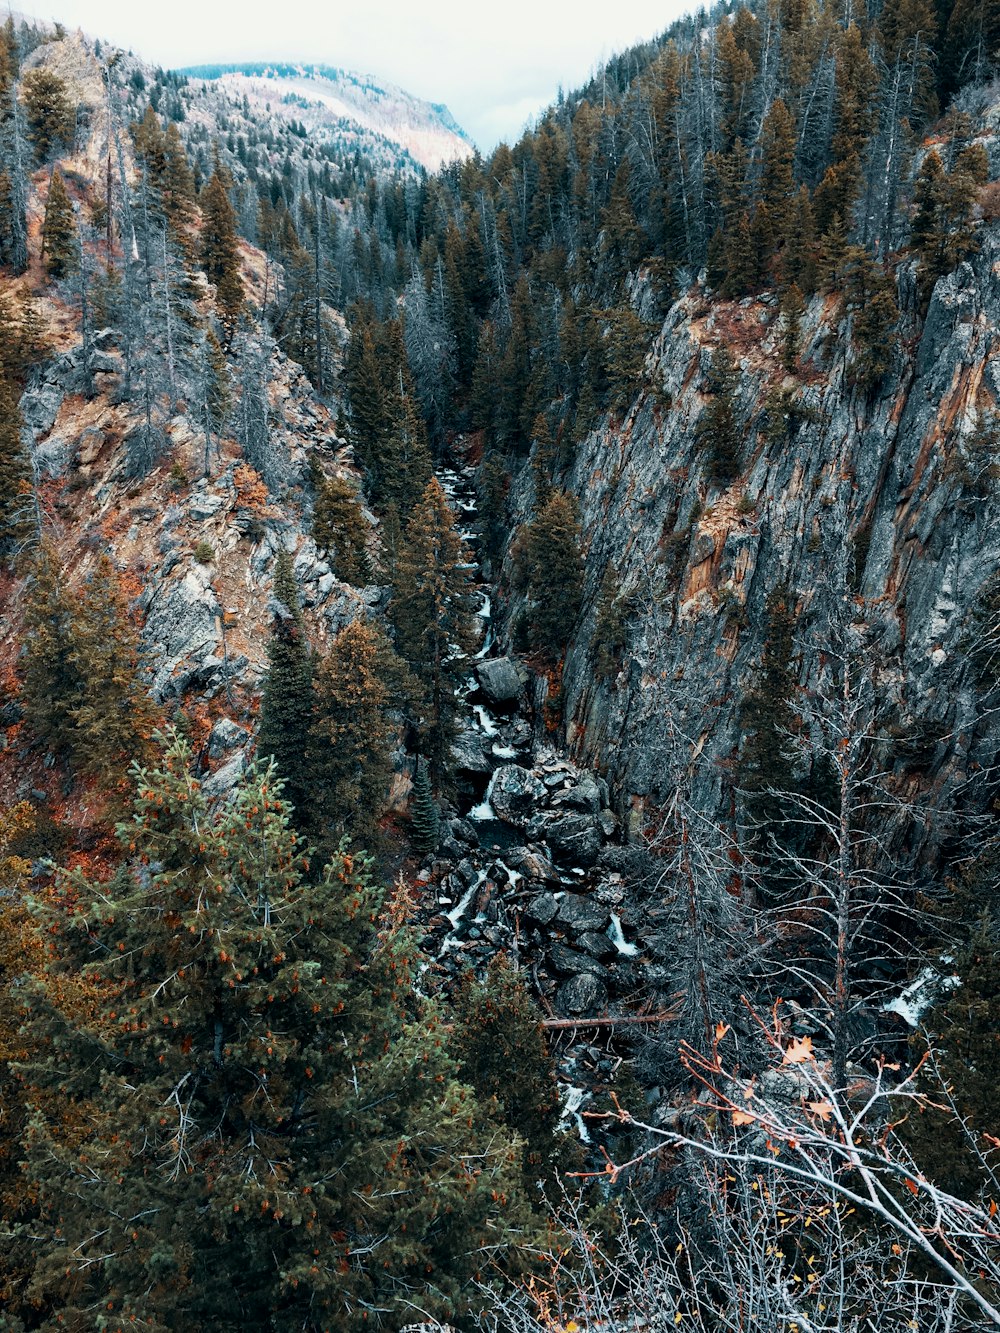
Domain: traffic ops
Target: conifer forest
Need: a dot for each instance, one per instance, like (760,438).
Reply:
(500,689)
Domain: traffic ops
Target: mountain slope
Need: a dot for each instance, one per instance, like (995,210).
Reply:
(336,105)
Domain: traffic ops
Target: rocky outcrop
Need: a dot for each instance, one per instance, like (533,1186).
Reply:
(825,471)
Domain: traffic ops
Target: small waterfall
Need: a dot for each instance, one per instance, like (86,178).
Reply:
(617,937)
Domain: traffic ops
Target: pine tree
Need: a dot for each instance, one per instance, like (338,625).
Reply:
(220,253)
(350,739)
(16,489)
(431,614)
(339,529)
(941,232)
(114,719)
(286,709)
(551,566)
(60,241)
(53,685)
(50,114)
(717,429)
(424,819)
(273,1134)
(502,1053)
(777,181)
(870,297)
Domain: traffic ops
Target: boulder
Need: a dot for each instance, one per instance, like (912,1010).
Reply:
(40,407)
(595,943)
(582,994)
(103,363)
(575,840)
(533,865)
(543,908)
(470,752)
(203,505)
(516,794)
(500,680)
(578,913)
(564,959)
(224,779)
(225,735)
(585,796)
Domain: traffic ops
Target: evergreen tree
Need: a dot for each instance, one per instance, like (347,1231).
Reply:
(53,686)
(502,1053)
(50,114)
(717,429)
(777,181)
(431,614)
(339,529)
(286,709)
(220,248)
(424,819)
(551,567)
(350,741)
(942,232)
(16,483)
(273,1133)
(870,298)
(60,241)
(114,718)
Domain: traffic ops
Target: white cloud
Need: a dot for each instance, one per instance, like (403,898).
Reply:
(495,66)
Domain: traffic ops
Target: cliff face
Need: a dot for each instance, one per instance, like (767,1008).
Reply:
(843,498)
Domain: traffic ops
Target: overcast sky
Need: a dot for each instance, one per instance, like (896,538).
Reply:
(495,64)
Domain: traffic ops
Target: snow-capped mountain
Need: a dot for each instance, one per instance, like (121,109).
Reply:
(333,102)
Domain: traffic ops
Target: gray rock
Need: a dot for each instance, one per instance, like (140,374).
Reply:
(517,793)
(204,505)
(564,959)
(104,339)
(578,913)
(221,782)
(470,752)
(595,943)
(225,735)
(103,363)
(543,908)
(575,840)
(582,994)
(533,865)
(181,630)
(585,796)
(500,680)
(52,456)
(40,407)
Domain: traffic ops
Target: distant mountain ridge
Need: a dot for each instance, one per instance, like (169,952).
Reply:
(325,98)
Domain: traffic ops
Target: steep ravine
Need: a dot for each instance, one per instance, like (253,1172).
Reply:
(695,563)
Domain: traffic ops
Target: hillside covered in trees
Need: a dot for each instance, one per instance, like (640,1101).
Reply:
(498,728)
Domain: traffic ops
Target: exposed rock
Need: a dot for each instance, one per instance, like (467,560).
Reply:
(224,779)
(582,994)
(470,752)
(595,943)
(225,735)
(575,840)
(40,407)
(103,363)
(500,680)
(564,959)
(584,795)
(543,908)
(182,630)
(578,913)
(204,505)
(517,794)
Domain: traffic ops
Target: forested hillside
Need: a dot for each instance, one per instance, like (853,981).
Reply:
(498,728)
